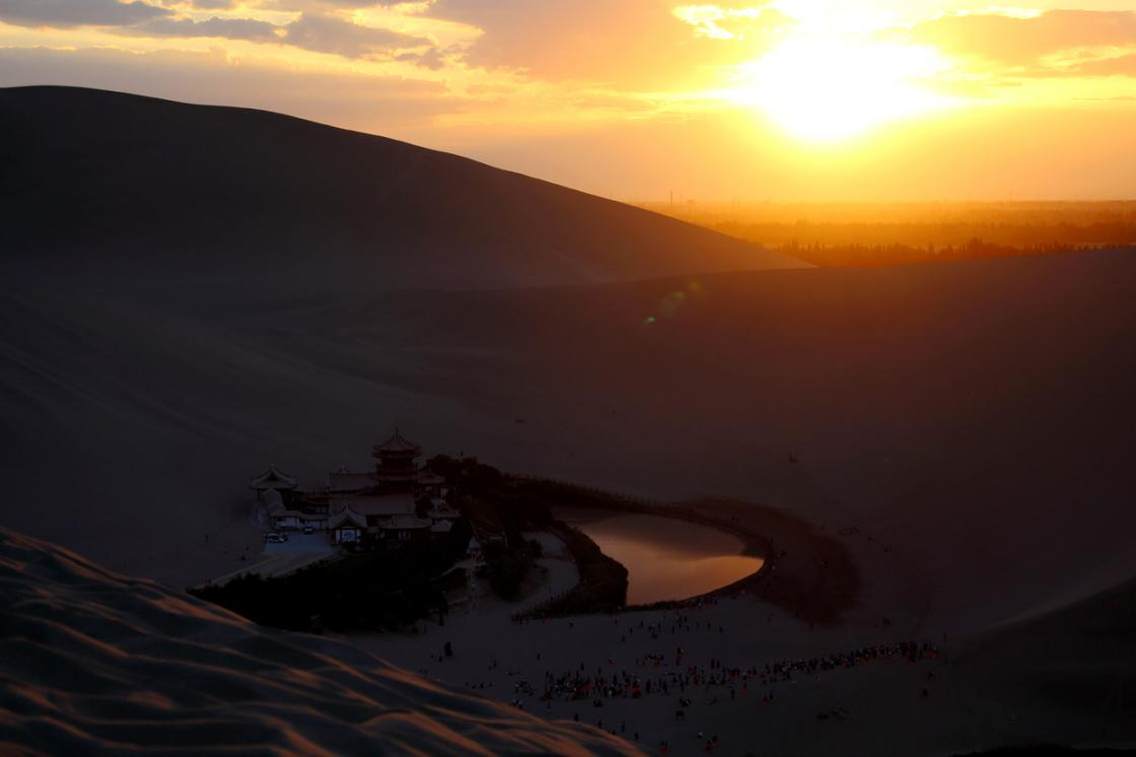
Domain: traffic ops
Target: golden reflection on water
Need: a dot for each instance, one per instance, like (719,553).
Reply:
(668,559)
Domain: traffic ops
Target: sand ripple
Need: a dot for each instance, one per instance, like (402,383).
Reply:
(94,662)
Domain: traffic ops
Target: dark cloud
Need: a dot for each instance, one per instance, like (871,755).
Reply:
(66,13)
(393,105)
(231,28)
(312,31)
(1025,41)
(332,35)
(214,5)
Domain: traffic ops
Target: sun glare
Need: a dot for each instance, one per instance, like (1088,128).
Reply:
(825,88)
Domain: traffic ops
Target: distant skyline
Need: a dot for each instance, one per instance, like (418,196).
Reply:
(774,100)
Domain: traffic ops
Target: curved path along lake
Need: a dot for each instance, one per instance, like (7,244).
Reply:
(666,558)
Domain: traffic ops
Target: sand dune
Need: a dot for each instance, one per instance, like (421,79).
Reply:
(974,418)
(92,661)
(181,192)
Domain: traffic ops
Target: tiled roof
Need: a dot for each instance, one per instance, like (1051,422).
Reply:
(273,478)
(398,443)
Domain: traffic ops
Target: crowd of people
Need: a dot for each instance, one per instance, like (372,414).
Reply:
(665,668)
(653,676)
(906,650)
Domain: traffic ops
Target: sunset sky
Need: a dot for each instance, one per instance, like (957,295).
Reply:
(778,100)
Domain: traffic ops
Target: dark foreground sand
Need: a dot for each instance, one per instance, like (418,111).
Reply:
(93,662)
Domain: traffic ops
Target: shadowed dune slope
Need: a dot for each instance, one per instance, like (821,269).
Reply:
(94,662)
(95,178)
(1069,673)
(975,419)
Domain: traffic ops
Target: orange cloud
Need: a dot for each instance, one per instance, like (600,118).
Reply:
(1024,42)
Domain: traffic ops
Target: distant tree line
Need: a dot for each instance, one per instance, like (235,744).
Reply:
(874,234)
(860,255)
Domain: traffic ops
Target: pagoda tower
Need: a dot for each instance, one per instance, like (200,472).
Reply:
(396,466)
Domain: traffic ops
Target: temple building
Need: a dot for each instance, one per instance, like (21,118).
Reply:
(347,527)
(396,502)
(273,480)
(396,468)
(396,472)
(405,528)
(431,485)
(374,507)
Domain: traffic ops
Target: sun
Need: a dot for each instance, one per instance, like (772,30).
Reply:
(829,88)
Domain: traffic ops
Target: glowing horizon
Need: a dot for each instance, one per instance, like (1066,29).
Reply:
(765,99)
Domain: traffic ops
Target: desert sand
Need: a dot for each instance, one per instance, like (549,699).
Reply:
(975,469)
(953,431)
(98,663)
(965,429)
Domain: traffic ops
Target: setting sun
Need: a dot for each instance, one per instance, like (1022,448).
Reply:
(823,88)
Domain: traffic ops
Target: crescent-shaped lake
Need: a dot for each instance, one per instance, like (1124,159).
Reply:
(666,559)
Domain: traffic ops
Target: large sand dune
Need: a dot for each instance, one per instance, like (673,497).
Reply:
(93,662)
(976,418)
(966,428)
(100,179)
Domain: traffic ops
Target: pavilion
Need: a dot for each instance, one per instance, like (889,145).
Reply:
(273,479)
(347,527)
(397,500)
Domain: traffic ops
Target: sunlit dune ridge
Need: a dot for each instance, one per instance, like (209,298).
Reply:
(94,661)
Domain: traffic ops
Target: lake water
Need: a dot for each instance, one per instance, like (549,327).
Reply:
(666,559)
